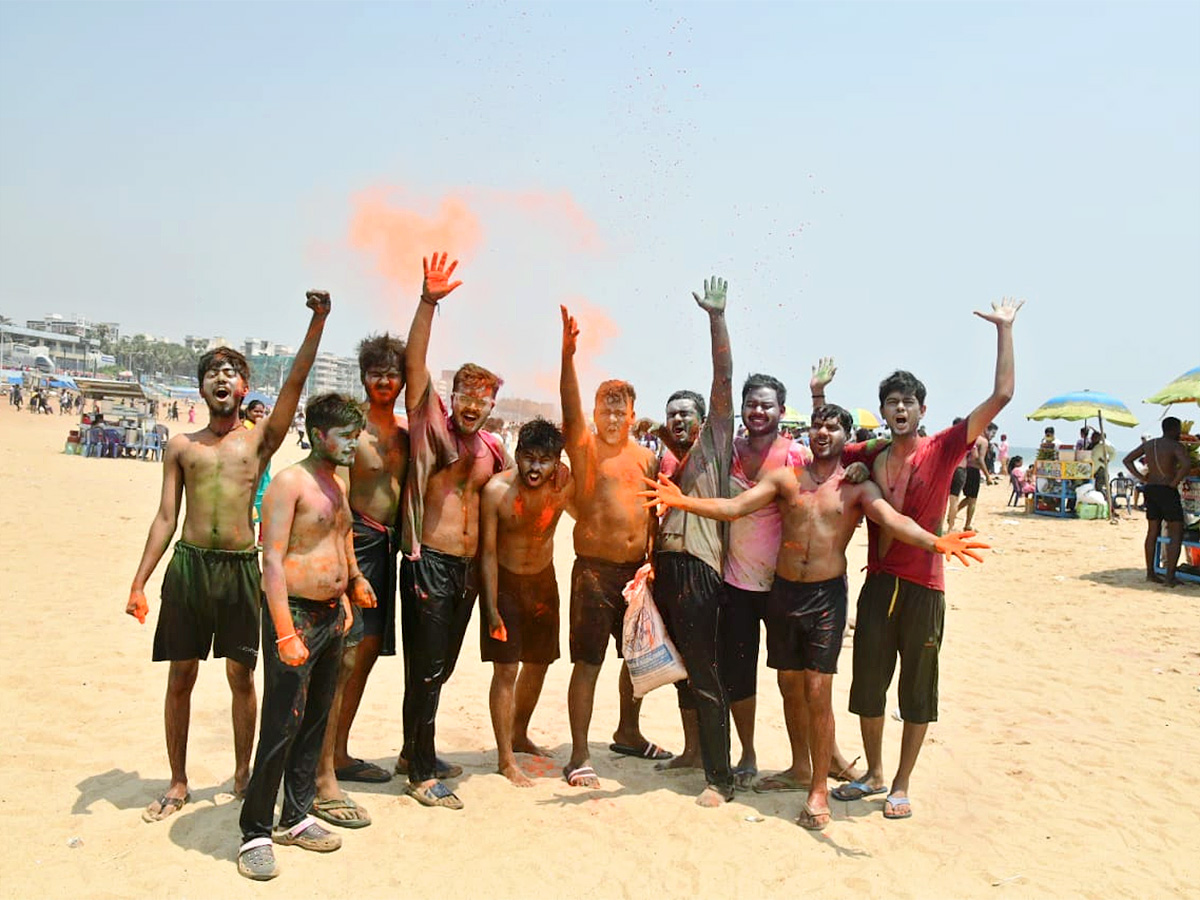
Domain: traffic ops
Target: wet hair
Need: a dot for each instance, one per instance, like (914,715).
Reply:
(223,355)
(701,406)
(903,383)
(765,381)
(470,375)
(326,411)
(615,389)
(538,435)
(378,350)
(1171,425)
(833,411)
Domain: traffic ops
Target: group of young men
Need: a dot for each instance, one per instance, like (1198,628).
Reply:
(441,493)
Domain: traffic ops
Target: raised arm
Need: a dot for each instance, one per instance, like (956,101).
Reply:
(1003,315)
(720,398)
(435,286)
(276,426)
(161,529)
(822,374)
(278,511)
(489,519)
(665,492)
(574,424)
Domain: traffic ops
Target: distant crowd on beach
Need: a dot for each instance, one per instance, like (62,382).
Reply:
(723,532)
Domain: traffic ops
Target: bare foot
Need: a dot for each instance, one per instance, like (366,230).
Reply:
(516,775)
(691,761)
(525,745)
(1155,577)
(711,798)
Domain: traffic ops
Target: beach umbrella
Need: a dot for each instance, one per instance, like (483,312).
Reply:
(1085,405)
(864,418)
(1184,389)
(792,417)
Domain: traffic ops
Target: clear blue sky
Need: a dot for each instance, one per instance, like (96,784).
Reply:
(863,174)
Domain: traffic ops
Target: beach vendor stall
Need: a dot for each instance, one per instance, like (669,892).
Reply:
(1059,476)
(115,420)
(1185,389)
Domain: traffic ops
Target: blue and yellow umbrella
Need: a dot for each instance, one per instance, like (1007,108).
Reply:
(1085,405)
(1184,389)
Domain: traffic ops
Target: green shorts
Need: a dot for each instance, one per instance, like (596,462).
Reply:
(897,618)
(210,598)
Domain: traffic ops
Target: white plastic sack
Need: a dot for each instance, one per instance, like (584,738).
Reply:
(651,657)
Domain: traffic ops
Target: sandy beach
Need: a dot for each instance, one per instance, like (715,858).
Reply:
(1066,762)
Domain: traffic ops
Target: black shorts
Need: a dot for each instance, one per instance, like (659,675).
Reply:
(209,598)
(956,482)
(897,618)
(971,483)
(738,638)
(1163,503)
(805,622)
(375,551)
(528,604)
(597,606)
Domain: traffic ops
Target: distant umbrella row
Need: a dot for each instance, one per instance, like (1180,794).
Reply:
(1093,404)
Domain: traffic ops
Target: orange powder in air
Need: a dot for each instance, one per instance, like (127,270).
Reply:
(398,235)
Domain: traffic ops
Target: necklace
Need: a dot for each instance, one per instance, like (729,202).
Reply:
(819,481)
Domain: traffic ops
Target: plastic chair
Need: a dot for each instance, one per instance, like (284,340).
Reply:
(114,444)
(1017,490)
(151,445)
(94,441)
(1121,488)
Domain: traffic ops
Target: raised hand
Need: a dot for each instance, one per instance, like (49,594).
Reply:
(714,295)
(570,333)
(361,593)
(956,543)
(137,606)
(437,278)
(293,651)
(318,302)
(822,374)
(1004,312)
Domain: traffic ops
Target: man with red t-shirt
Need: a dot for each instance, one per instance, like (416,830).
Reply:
(902,605)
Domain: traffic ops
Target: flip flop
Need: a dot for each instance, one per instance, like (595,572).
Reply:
(855,790)
(743,777)
(324,809)
(442,769)
(174,804)
(650,751)
(361,770)
(844,774)
(779,783)
(889,807)
(581,776)
(809,818)
(437,794)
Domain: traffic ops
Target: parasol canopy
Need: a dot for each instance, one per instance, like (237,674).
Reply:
(1184,389)
(1084,405)
(864,418)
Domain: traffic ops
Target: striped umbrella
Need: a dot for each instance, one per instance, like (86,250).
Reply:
(1184,389)
(864,418)
(1085,405)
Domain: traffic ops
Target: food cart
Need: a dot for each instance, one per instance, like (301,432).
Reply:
(115,420)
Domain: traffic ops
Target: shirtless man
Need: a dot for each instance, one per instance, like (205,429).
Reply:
(376,481)
(308,573)
(210,590)
(1167,464)
(902,604)
(612,538)
(690,550)
(976,472)
(452,458)
(806,610)
(518,631)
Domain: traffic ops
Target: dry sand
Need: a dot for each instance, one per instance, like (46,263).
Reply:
(1066,764)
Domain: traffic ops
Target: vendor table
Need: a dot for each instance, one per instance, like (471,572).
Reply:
(1056,482)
